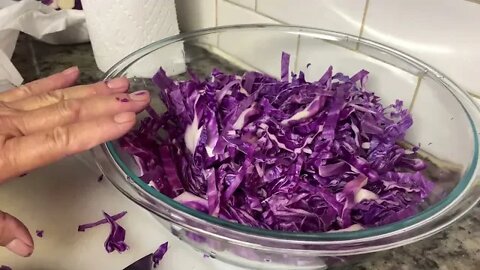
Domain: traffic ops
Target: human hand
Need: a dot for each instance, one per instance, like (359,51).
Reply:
(46,120)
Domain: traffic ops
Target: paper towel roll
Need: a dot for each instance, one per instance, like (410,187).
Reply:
(119,27)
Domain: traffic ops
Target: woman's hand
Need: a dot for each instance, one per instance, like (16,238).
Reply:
(46,120)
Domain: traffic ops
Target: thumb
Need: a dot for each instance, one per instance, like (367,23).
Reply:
(15,236)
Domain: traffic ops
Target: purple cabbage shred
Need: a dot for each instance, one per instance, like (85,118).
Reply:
(39,233)
(289,154)
(116,238)
(159,253)
(83,227)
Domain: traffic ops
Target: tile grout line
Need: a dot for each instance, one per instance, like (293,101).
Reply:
(367,2)
(217,38)
(360,34)
(242,6)
(216,13)
(415,93)
(297,50)
(364,16)
(257,12)
(373,57)
(271,18)
(245,64)
(417,89)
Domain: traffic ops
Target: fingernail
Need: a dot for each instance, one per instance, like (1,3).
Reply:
(122,99)
(139,95)
(20,248)
(117,83)
(70,70)
(125,117)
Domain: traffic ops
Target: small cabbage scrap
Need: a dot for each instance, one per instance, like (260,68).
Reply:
(159,253)
(4,267)
(39,233)
(288,154)
(116,238)
(83,227)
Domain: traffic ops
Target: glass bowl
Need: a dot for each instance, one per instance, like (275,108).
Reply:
(446,122)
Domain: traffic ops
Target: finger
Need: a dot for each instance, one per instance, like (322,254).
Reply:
(59,80)
(15,236)
(22,154)
(117,85)
(76,110)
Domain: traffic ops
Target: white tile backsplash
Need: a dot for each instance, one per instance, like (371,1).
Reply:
(443,33)
(338,15)
(229,14)
(260,50)
(388,82)
(194,15)
(246,3)
(440,124)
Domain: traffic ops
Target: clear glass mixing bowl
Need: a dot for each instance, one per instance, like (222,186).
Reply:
(446,123)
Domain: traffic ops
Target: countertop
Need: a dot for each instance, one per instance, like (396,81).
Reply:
(458,247)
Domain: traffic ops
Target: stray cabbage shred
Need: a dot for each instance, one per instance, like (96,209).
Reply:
(286,154)
(158,254)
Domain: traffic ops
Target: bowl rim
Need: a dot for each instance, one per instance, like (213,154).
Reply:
(420,219)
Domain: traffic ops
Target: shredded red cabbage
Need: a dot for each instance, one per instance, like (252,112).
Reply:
(116,238)
(39,233)
(83,227)
(4,267)
(159,253)
(285,154)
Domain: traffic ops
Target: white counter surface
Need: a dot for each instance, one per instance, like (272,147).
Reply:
(59,197)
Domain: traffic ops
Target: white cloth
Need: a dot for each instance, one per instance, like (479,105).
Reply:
(40,21)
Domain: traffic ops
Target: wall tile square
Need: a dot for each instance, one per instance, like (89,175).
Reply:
(194,15)
(246,3)
(443,33)
(338,15)
(229,14)
(440,124)
(388,82)
(260,51)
